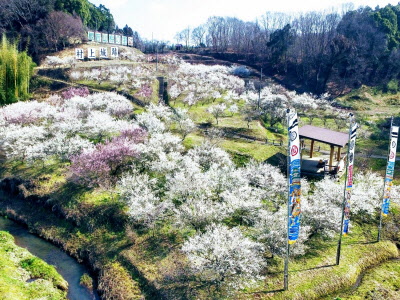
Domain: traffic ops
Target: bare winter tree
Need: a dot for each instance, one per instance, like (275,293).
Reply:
(62,29)
(184,36)
(198,35)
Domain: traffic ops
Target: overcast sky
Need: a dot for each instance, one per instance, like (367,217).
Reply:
(164,18)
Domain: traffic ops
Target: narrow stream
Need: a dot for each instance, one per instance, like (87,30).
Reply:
(67,266)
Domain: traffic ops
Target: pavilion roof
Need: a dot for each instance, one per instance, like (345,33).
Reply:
(324,135)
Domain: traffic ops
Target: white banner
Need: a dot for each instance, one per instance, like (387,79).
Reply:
(390,170)
(349,183)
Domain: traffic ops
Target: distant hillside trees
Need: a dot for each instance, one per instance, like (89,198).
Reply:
(98,18)
(15,73)
(319,51)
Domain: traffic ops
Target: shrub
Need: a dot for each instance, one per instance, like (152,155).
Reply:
(224,255)
(115,283)
(86,281)
(392,86)
(100,166)
(241,71)
(73,92)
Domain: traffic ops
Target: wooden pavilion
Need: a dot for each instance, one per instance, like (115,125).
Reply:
(320,165)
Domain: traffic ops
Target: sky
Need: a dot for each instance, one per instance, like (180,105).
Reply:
(162,19)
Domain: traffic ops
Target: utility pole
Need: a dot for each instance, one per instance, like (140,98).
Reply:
(157,58)
(259,91)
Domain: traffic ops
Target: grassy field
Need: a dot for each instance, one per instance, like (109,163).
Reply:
(316,274)
(381,282)
(234,128)
(18,266)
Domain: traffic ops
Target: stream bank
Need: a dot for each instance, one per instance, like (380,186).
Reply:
(66,266)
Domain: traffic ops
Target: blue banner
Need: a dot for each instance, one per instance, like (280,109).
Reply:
(294,178)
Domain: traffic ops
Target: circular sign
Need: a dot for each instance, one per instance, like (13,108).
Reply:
(391,155)
(293,135)
(294,150)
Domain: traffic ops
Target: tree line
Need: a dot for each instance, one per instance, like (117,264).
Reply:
(320,51)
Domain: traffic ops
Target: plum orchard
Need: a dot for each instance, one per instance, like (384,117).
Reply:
(235,214)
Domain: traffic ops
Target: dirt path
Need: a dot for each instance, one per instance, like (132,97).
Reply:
(71,84)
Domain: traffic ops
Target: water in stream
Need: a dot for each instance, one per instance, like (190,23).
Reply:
(67,266)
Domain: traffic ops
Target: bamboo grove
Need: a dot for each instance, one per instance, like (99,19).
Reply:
(15,73)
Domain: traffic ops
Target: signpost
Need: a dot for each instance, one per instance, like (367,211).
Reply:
(114,52)
(79,54)
(92,53)
(104,37)
(111,38)
(98,37)
(90,35)
(103,53)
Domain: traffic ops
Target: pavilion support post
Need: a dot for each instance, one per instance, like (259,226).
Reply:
(312,148)
(338,153)
(331,157)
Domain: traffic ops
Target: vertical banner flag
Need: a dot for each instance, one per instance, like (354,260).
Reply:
(294,178)
(90,35)
(92,53)
(103,52)
(98,37)
(349,183)
(114,52)
(390,170)
(118,39)
(124,40)
(79,54)
(104,38)
(130,41)
(111,38)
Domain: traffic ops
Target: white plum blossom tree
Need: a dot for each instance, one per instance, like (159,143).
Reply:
(322,209)
(217,110)
(184,124)
(139,192)
(224,256)
(272,231)
(207,155)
